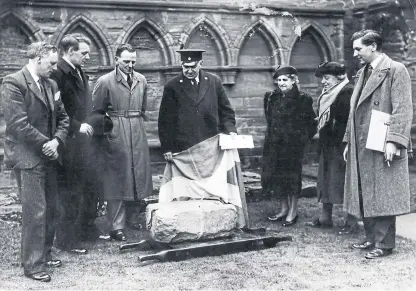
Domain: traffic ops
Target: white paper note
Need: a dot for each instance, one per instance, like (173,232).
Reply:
(377,132)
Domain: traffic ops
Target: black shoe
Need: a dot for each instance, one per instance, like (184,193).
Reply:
(118,235)
(318,224)
(54,263)
(276,218)
(41,277)
(289,223)
(378,253)
(78,251)
(363,245)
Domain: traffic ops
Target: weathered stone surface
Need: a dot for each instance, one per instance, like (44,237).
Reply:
(190,220)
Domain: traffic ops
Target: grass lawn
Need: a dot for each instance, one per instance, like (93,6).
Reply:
(314,260)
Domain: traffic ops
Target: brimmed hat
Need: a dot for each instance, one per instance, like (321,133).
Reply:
(100,122)
(190,55)
(286,70)
(331,68)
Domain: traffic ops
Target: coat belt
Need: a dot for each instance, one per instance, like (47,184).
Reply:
(126,113)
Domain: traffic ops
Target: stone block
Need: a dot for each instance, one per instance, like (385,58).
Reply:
(191,220)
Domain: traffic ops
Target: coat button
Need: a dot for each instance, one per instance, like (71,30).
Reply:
(376,103)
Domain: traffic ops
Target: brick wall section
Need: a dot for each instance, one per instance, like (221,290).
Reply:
(249,54)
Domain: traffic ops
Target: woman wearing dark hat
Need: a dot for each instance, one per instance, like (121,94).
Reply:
(290,125)
(333,110)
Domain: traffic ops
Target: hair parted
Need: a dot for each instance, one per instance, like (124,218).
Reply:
(73,40)
(40,49)
(368,37)
(124,47)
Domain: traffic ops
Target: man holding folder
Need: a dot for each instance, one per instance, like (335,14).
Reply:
(377,183)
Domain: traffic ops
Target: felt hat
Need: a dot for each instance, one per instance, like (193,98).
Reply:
(330,68)
(100,122)
(286,70)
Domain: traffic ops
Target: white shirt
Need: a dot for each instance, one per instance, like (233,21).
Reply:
(196,79)
(69,62)
(377,60)
(125,75)
(34,76)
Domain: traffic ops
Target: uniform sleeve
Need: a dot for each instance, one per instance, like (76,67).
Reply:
(402,109)
(16,117)
(225,111)
(168,115)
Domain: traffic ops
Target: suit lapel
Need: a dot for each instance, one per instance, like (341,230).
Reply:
(203,86)
(121,80)
(135,81)
(187,88)
(33,86)
(49,95)
(376,78)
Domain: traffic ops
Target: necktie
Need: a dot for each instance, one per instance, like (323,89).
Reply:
(367,75)
(129,80)
(79,74)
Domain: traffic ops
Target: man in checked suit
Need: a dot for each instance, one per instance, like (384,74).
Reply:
(77,177)
(377,183)
(36,127)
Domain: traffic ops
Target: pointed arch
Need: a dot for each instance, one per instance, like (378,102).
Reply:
(266,32)
(324,42)
(33,32)
(219,37)
(94,32)
(164,39)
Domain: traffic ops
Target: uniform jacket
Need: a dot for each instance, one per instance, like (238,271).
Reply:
(188,116)
(124,153)
(385,190)
(27,113)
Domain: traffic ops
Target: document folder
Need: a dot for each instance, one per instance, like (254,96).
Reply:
(236,141)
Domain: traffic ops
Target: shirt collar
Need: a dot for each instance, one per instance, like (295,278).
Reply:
(377,60)
(69,62)
(34,76)
(125,75)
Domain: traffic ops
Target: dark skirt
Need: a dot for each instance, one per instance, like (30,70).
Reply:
(282,169)
(331,176)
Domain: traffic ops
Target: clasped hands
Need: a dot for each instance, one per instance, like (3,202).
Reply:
(86,129)
(169,156)
(390,151)
(50,149)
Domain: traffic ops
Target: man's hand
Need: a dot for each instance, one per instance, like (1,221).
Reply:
(390,151)
(86,129)
(54,156)
(168,156)
(50,148)
(345,153)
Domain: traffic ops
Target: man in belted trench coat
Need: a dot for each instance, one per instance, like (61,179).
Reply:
(123,154)
(36,128)
(377,183)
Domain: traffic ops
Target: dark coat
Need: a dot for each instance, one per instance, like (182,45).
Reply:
(124,153)
(290,125)
(385,190)
(27,118)
(331,173)
(187,117)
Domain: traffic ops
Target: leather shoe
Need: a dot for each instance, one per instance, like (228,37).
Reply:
(363,245)
(78,251)
(291,222)
(54,263)
(378,253)
(318,224)
(41,276)
(118,235)
(276,218)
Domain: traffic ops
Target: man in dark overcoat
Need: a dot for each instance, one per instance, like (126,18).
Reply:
(377,183)
(78,198)
(36,128)
(125,171)
(194,107)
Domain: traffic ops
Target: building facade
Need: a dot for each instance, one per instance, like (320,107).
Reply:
(243,42)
